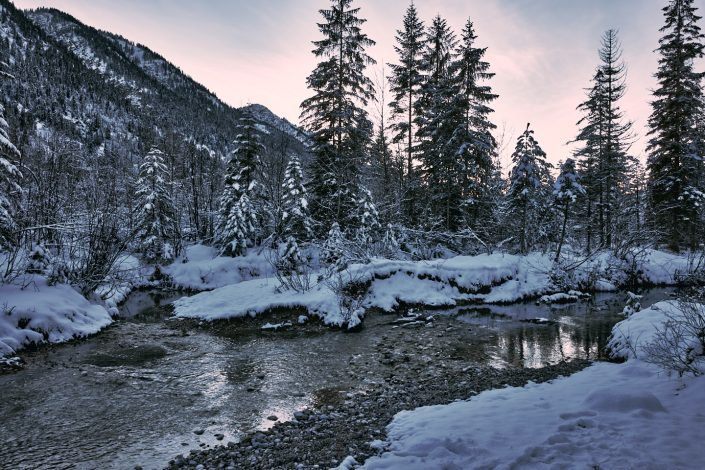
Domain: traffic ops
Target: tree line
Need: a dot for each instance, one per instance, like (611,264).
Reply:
(425,178)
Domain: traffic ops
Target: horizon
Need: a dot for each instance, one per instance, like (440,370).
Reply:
(230,48)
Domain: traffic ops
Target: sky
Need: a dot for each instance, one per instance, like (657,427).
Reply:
(543,52)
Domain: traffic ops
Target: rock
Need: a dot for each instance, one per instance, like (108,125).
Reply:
(219,436)
(199,432)
(273,418)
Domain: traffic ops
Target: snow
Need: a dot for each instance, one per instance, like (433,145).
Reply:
(492,279)
(629,415)
(132,273)
(41,313)
(201,268)
(250,298)
(630,336)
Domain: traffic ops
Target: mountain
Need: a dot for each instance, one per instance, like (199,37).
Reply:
(104,101)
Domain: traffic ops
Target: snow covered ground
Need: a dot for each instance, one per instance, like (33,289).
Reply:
(201,268)
(38,312)
(630,415)
(493,279)
(246,286)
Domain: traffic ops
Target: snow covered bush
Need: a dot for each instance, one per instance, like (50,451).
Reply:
(349,288)
(292,269)
(678,343)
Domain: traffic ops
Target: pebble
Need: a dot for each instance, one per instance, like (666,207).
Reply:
(321,437)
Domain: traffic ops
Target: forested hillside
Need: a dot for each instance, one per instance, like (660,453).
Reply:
(84,106)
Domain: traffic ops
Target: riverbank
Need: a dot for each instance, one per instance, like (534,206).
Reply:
(437,410)
(34,312)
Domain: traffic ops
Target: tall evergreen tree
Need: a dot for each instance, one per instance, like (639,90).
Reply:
(335,115)
(606,138)
(407,78)
(237,215)
(675,163)
(158,231)
(440,166)
(529,192)
(472,139)
(10,189)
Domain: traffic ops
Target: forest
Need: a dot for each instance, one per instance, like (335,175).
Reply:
(120,174)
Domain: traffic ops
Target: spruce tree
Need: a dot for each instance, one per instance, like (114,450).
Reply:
(566,192)
(606,138)
(237,214)
(158,233)
(407,78)
(675,162)
(472,140)
(335,115)
(367,226)
(10,189)
(333,249)
(296,220)
(529,192)
(435,127)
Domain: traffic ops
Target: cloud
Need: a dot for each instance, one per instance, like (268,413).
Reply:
(543,52)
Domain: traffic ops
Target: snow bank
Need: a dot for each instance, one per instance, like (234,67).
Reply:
(439,283)
(660,267)
(250,298)
(202,269)
(42,313)
(492,279)
(627,415)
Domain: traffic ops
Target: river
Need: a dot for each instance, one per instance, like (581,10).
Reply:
(150,387)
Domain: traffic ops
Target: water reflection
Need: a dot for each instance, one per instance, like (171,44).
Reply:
(136,393)
(530,335)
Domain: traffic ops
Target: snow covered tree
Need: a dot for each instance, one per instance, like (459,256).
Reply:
(675,163)
(472,140)
(435,126)
(367,226)
(407,78)
(529,192)
(333,249)
(239,229)
(605,138)
(237,214)
(158,232)
(296,219)
(335,115)
(566,191)
(10,189)
(291,261)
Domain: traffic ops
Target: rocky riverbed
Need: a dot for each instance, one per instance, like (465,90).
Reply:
(151,387)
(419,362)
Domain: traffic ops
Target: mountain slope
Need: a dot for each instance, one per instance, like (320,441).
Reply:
(87,105)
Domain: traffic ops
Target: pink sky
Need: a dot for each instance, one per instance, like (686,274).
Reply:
(543,51)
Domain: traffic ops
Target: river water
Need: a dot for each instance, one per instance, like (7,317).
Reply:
(150,387)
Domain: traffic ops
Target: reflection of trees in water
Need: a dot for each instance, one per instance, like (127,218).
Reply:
(592,335)
(532,345)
